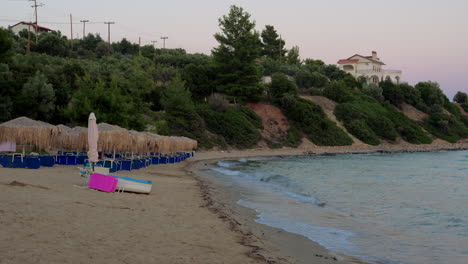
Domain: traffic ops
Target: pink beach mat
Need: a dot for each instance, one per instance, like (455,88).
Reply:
(102,182)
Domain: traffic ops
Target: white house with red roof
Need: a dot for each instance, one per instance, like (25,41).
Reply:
(369,68)
(16,28)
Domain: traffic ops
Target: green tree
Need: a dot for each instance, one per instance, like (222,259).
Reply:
(239,47)
(6,45)
(338,92)
(373,90)
(176,98)
(460,97)
(148,51)
(103,49)
(293,56)
(280,85)
(52,43)
(199,79)
(431,94)
(37,98)
(125,47)
(104,98)
(392,92)
(272,44)
(306,79)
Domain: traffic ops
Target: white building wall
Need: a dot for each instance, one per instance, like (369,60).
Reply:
(371,71)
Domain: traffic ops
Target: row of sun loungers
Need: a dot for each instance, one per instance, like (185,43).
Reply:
(77,158)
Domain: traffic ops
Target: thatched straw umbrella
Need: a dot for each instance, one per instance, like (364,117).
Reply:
(113,138)
(153,143)
(23,130)
(73,139)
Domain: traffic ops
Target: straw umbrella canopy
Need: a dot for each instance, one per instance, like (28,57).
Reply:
(113,137)
(140,142)
(23,130)
(73,139)
(152,142)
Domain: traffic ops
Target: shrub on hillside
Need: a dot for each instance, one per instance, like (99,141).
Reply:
(218,102)
(361,130)
(373,90)
(280,85)
(313,121)
(392,92)
(446,127)
(362,116)
(338,92)
(251,116)
(408,129)
(294,137)
(460,97)
(465,106)
(233,125)
(431,94)
(306,79)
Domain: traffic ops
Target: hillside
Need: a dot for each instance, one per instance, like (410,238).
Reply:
(328,107)
(254,100)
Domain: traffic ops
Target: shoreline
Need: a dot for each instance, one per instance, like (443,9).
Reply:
(188,217)
(267,244)
(274,245)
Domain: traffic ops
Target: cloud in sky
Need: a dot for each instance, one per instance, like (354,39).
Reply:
(427,39)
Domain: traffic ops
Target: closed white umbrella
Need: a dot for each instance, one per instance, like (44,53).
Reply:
(93,136)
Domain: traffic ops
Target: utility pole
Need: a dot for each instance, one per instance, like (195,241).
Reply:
(28,49)
(280,49)
(84,26)
(71,31)
(139,46)
(164,41)
(35,15)
(108,34)
(154,43)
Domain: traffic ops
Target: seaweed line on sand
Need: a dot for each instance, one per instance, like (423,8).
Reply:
(247,238)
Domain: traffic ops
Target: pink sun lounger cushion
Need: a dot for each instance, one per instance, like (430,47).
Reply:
(102,182)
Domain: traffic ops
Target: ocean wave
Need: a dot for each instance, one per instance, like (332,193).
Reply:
(225,164)
(305,198)
(331,238)
(227,172)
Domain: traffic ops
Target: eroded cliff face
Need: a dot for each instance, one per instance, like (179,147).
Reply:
(275,123)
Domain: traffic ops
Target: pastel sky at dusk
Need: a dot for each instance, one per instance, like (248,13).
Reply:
(426,39)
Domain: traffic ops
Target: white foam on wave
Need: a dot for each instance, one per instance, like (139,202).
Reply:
(331,238)
(304,198)
(227,172)
(225,164)
(254,159)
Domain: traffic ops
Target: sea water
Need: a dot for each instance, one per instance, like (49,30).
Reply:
(386,208)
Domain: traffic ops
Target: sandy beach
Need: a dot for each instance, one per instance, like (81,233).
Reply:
(46,217)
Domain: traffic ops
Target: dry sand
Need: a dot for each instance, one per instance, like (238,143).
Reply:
(46,218)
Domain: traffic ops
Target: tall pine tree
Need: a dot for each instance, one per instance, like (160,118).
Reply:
(272,44)
(239,46)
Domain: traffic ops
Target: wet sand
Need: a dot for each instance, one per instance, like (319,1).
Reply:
(46,217)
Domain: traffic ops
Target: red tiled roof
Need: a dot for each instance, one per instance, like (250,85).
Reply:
(347,61)
(33,25)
